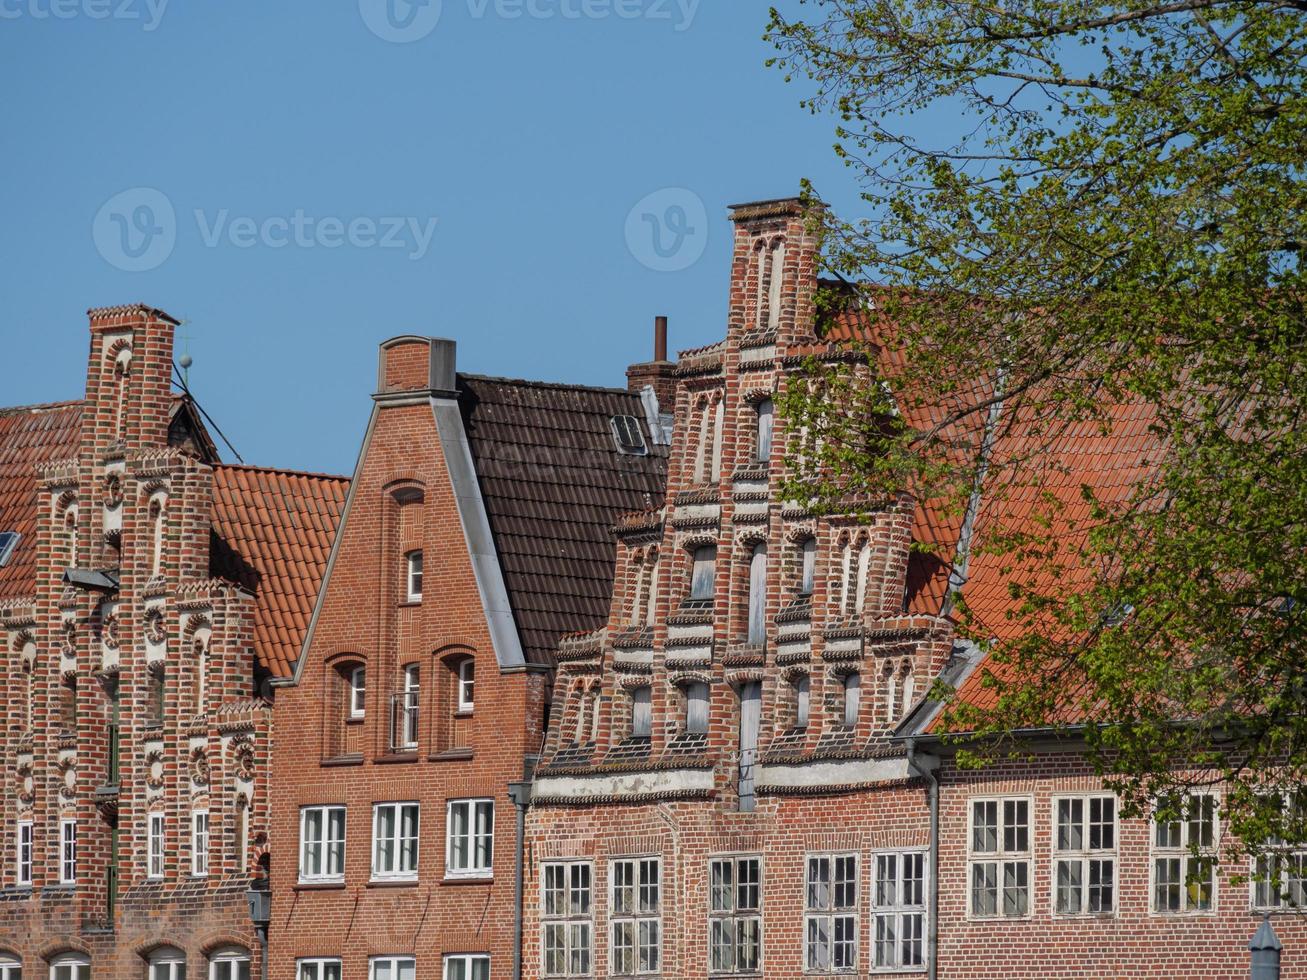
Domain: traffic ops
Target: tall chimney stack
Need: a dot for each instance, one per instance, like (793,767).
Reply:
(660,338)
(658,374)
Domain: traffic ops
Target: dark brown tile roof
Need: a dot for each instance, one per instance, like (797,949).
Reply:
(29,436)
(273,532)
(554,484)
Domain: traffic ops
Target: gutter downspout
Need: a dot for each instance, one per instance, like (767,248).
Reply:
(520,794)
(925,766)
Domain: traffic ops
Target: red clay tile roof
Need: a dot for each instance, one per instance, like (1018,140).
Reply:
(29,436)
(554,484)
(273,532)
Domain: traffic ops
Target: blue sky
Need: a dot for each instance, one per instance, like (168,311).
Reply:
(300,180)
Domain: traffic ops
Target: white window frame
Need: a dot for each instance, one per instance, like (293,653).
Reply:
(394,962)
(358,691)
(318,968)
(409,722)
(413,572)
(10,968)
(70,966)
(224,964)
(897,909)
(831,912)
(1170,853)
(1002,857)
(329,845)
(155,846)
(478,840)
(467,686)
(731,922)
(567,910)
(1084,857)
(1292,861)
(200,843)
(469,961)
(23,844)
(643,914)
(67,852)
(164,963)
(397,843)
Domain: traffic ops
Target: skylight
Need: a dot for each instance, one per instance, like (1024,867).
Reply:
(8,545)
(629,436)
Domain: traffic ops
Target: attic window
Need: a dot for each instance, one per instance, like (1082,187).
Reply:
(628,435)
(8,545)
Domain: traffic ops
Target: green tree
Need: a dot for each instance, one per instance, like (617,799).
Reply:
(1107,221)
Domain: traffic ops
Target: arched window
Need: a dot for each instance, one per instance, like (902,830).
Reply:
(802,701)
(807,566)
(864,563)
(466,684)
(719,423)
(229,963)
(852,699)
(908,685)
(764,284)
(764,430)
(70,966)
(758,594)
(703,445)
(641,712)
(703,573)
(201,674)
(846,566)
(651,586)
(696,708)
(11,968)
(775,284)
(167,963)
(157,503)
(891,695)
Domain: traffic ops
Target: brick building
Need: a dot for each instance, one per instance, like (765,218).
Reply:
(740,776)
(148,593)
(477,531)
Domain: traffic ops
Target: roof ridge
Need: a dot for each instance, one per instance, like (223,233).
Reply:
(282,470)
(567,385)
(41,406)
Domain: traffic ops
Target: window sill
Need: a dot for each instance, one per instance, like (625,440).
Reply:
(452,755)
(392,883)
(355,719)
(397,758)
(464,712)
(487,879)
(319,886)
(342,760)
(411,603)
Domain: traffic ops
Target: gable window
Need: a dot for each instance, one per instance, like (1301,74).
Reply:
(168,964)
(200,843)
(635,907)
(852,699)
(465,966)
(1185,881)
(696,708)
(470,839)
(1000,858)
(703,573)
(322,843)
(899,910)
(394,841)
(24,855)
(70,966)
(764,431)
(466,685)
(1280,873)
(358,691)
(68,852)
(568,919)
(229,964)
(735,915)
(807,566)
(758,594)
(413,575)
(319,969)
(831,917)
(642,712)
(1084,859)
(154,846)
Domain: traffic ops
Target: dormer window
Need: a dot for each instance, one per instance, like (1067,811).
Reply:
(629,436)
(8,545)
(765,428)
(466,678)
(358,691)
(807,566)
(413,568)
(703,575)
(642,712)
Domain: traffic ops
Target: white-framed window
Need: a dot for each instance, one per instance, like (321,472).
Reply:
(567,917)
(831,914)
(467,966)
(23,856)
(1084,855)
(322,843)
(167,963)
(766,426)
(392,968)
(642,712)
(10,968)
(67,852)
(703,572)
(70,966)
(413,575)
(999,866)
(230,963)
(899,911)
(735,915)
(154,844)
(466,685)
(410,708)
(317,969)
(1279,879)
(358,691)
(696,707)
(852,699)
(200,843)
(394,841)
(1184,855)
(470,838)
(635,909)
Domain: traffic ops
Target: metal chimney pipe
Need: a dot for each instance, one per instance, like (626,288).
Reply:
(660,338)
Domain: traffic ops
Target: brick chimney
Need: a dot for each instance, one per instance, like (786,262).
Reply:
(658,374)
